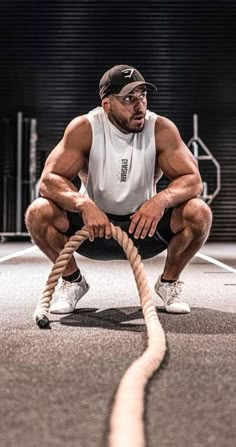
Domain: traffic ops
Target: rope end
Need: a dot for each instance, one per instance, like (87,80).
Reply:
(43,322)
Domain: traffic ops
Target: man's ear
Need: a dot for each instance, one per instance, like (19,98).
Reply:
(106,104)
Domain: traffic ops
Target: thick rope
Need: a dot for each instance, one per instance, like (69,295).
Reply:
(126,423)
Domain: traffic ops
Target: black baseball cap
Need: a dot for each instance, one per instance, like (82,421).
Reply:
(121,80)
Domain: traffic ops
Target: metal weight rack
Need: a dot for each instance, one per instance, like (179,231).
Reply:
(209,169)
(19,174)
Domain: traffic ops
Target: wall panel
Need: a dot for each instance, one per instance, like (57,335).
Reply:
(54,52)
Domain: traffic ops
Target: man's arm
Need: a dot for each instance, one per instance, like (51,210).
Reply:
(178,164)
(62,165)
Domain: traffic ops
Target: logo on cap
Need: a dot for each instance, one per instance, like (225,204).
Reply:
(129,72)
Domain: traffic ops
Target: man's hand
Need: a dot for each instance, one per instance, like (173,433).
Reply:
(145,220)
(95,220)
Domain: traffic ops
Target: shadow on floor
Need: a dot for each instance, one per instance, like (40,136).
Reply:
(199,321)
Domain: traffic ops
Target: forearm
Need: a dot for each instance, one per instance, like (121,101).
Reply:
(62,192)
(180,190)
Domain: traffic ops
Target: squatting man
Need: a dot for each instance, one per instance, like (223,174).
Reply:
(119,151)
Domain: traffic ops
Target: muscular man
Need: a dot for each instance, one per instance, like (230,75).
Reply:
(119,151)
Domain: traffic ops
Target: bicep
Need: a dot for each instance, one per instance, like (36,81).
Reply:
(177,162)
(64,161)
(174,157)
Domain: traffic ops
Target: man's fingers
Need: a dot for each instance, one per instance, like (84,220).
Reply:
(153,228)
(134,220)
(91,236)
(92,232)
(143,228)
(96,231)
(140,228)
(146,228)
(108,231)
(101,231)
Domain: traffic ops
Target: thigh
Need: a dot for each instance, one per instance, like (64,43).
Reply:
(163,230)
(100,249)
(108,249)
(152,246)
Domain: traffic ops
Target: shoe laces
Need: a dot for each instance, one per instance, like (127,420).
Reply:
(65,289)
(175,289)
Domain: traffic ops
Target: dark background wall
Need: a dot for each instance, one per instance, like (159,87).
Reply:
(53,54)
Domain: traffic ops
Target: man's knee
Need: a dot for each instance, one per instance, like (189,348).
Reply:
(43,212)
(38,210)
(198,215)
(195,215)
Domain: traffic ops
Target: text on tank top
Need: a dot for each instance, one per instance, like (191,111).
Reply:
(121,166)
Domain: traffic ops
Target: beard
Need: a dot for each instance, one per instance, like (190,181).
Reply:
(128,125)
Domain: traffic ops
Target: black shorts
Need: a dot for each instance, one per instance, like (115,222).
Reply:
(108,249)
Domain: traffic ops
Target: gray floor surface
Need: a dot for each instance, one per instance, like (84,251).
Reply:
(57,386)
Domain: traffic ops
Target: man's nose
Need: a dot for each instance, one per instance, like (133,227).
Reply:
(138,104)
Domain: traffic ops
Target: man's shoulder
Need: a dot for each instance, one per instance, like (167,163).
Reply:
(78,123)
(166,133)
(164,123)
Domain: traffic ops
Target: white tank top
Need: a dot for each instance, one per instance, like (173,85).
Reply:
(121,166)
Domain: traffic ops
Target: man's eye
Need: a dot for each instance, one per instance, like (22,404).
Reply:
(127,98)
(143,95)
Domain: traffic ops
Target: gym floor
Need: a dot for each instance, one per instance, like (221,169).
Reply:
(57,386)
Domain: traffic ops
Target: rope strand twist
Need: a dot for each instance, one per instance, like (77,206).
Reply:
(126,422)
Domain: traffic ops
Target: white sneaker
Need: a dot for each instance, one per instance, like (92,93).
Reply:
(67,295)
(170,294)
